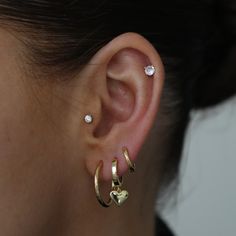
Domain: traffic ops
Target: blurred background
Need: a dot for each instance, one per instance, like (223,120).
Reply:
(205,203)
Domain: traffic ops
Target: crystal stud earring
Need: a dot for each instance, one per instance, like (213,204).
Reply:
(88,119)
(149,70)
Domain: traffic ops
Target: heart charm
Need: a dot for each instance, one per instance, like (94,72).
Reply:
(119,197)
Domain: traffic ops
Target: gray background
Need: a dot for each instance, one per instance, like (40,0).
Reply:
(205,203)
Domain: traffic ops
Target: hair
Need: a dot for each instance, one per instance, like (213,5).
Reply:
(194,38)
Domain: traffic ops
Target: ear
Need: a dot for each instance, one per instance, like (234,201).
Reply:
(124,101)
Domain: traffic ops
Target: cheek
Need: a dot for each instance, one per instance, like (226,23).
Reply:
(28,177)
(17,167)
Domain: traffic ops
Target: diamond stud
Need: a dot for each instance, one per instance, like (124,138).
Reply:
(88,119)
(150,70)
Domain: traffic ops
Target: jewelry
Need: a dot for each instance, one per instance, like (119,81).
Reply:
(150,70)
(97,189)
(116,180)
(88,119)
(127,158)
(118,195)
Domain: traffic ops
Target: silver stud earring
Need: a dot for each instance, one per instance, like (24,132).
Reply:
(150,70)
(88,119)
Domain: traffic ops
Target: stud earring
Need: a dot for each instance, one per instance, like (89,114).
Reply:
(150,70)
(128,161)
(88,119)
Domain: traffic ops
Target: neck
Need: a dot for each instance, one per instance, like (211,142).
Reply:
(82,215)
(125,221)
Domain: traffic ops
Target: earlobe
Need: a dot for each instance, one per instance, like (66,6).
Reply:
(129,84)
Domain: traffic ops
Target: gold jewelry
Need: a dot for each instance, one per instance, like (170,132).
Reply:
(97,189)
(118,195)
(116,180)
(127,158)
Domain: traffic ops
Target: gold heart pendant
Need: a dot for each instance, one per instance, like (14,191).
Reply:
(119,197)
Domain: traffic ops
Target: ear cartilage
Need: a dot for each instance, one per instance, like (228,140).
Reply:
(88,119)
(150,70)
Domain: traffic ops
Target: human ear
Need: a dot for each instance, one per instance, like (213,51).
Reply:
(123,100)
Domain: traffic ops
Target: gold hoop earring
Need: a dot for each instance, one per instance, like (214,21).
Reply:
(116,180)
(131,165)
(97,188)
(118,195)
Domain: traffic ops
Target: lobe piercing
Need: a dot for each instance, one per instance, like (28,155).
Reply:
(149,70)
(88,119)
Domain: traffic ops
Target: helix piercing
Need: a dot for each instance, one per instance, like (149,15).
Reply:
(150,70)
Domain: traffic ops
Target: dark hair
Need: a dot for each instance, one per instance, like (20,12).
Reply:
(195,39)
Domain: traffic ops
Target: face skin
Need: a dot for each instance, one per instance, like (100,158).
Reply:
(48,154)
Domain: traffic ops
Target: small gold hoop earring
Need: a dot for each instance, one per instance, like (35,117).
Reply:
(97,188)
(116,180)
(131,165)
(118,195)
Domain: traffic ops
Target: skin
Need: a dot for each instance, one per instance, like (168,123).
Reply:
(48,154)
